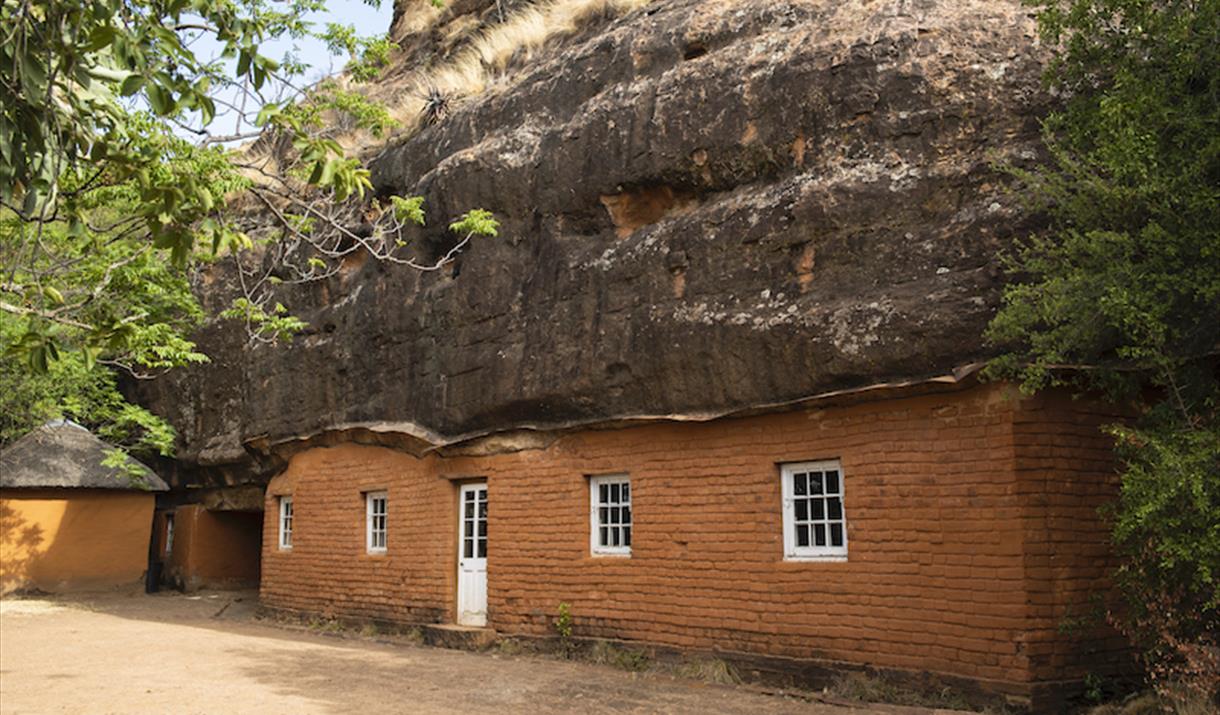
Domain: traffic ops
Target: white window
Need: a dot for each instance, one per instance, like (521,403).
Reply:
(285,522)
(169,535)
(375,521)
(610,502)
(815,527)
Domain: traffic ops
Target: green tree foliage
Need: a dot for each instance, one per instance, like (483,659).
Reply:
(1122,294)
(85,298)
(71,387)
(106,212)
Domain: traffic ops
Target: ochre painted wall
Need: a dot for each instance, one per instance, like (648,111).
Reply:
(213,549)
(60,540)
(970,522)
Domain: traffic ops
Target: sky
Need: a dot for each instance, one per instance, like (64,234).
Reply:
(368,21)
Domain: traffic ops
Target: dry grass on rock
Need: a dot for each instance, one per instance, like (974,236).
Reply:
(497,48)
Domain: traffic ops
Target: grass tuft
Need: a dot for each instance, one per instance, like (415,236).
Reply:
(629,659)
(872,688)
(497,48)
(709,670)
(1176,702)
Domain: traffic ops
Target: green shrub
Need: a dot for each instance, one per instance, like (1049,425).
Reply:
(1121,295)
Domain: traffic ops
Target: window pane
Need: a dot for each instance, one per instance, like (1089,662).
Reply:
(815,483)
(612,513)
(832,482)
(802,510)
(483,510)
(799,484)
(835,507)
(482,528)
(836,534)
(482,495)
(482,548)
(819,508)
(819,534)
(469,528)
(468,548)
(802,535)
(469,509)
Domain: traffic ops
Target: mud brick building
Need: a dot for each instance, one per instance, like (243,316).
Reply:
(969,533)
(714,384)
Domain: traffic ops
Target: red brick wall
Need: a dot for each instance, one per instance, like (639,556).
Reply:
(1066,471)
(327,570)
(940,523)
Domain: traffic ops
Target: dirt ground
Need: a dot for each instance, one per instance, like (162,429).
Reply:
(169,653)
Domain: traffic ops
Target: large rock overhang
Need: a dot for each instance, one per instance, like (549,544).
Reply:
(807,204)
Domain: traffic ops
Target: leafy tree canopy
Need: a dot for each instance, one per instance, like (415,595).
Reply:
(105,210)
(1122,293)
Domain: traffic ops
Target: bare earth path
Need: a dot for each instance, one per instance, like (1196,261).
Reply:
(128,653)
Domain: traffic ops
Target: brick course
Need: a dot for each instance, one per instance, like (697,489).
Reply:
(972,532)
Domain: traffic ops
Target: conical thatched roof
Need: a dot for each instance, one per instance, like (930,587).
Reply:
(63,454)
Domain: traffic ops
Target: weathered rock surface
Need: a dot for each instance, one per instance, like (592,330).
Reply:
(706,205)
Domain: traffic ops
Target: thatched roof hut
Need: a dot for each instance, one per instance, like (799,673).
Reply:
(63,454)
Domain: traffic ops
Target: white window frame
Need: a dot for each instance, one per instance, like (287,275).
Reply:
(793,552)
(370,530)
(595,546)
(287,516)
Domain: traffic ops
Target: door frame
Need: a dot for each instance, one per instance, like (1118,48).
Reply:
(474,485)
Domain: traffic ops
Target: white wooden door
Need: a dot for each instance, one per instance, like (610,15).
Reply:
(472,555)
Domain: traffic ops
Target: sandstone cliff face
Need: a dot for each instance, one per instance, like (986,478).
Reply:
(706,205)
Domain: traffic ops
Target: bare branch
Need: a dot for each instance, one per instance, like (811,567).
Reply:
(18,310)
